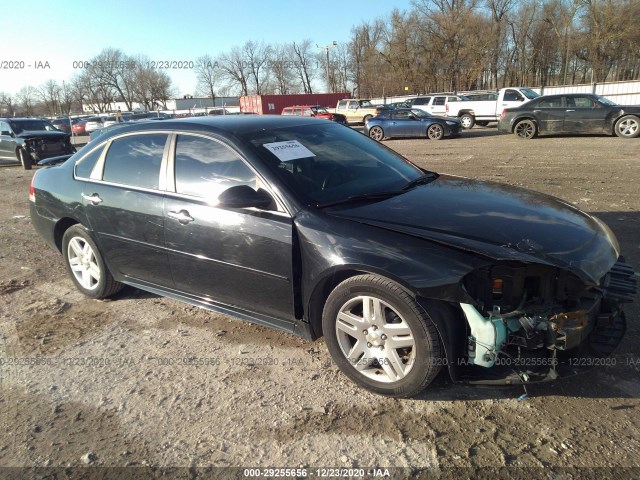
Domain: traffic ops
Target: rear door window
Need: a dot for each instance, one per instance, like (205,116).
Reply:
(135,160)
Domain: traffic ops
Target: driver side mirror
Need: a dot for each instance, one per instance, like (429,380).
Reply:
(243,196)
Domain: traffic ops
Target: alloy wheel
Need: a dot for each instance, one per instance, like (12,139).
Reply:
(375,339)
(83,263)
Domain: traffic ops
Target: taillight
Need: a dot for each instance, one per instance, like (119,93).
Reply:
(504,112)
(446,108)
(32,190)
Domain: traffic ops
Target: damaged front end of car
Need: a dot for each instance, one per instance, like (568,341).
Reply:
(531,323)
(42,148)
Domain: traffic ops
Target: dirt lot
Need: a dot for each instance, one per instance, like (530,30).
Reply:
(143,380)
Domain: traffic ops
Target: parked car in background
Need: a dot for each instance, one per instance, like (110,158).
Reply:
(93,123)
(63,124)
(391,106)
(411,122)
(437,104)
(355,110)
(575,113)
(476,111)
(29,140)
(418,101)
(218,111)
(79,128)
(314,229)
(314,111)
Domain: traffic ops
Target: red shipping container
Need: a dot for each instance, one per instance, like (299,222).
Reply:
(273,104)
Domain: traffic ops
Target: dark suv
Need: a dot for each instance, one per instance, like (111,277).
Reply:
(30,140)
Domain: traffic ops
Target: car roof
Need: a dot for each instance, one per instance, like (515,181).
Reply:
(225,124)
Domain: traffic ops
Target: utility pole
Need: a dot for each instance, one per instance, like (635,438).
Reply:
(326,48)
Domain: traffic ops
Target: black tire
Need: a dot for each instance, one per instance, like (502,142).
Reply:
(435,132)
(365,118)
(627,126)
(467,120)
(105,285)
(25,159)
(376,133)
(409,369)
(482,123)
(525,129)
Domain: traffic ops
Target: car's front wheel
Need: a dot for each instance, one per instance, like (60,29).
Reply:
(525,129)
(628,126)
(376,133)
(25,159)
(380,337)
(435,132)
(85,264)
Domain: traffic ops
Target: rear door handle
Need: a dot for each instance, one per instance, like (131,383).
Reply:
(94,198)
(570,110)
(181,216)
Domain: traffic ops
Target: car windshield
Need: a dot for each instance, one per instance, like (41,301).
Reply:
(327,164)
(319,110)
(606,101)
(31,126)
(366,104)
(420,113)
(530,94)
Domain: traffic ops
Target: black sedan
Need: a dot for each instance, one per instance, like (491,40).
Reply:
(29,140)
(575,113)
(407,122)
(314,229)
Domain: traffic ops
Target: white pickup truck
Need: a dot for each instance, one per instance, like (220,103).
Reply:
(482,112)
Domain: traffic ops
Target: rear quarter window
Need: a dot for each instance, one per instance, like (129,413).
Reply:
(85,165)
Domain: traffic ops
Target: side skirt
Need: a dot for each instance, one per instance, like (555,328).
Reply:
(295,327)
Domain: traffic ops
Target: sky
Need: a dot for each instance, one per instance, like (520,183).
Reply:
(54,38)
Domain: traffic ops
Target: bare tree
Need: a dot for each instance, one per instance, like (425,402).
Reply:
(208,75)
(27,97)
(304,60)
(7,106)
(257,57)
(281,70)
(234,69)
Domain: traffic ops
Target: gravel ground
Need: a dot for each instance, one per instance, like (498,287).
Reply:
(142,380)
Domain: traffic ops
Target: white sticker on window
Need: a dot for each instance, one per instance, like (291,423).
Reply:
(290,150)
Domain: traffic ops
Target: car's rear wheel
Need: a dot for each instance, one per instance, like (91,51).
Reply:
(25,159)
(525,129)
(380,337)
(85,264)
(435,132)
(628,127)
(467,120)
(376,133)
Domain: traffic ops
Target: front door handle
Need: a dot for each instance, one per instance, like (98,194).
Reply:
(570,110)
(181,216)
(94,199)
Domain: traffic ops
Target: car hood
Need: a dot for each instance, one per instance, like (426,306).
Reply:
(41,134)
(498,221)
